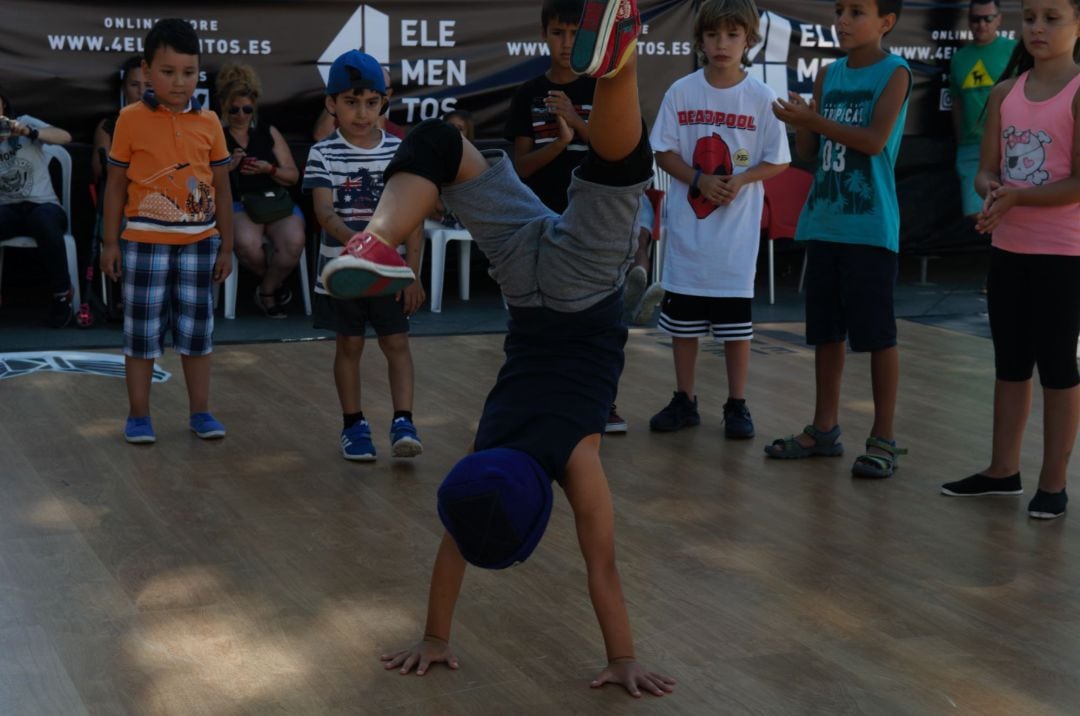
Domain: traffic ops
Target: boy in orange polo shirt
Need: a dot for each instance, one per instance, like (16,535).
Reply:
(169,163)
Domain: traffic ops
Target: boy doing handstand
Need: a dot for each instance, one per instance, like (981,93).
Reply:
(562,278)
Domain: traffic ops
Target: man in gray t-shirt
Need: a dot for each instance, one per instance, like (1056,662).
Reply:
(28,203)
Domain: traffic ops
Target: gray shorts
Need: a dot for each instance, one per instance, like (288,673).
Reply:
(567,263)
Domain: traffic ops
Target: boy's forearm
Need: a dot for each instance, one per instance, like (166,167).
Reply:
(674,165)
(446,578)
(762,171)
(334,226)
(861,139)
(806,144)
(112,212)
(605,592)
(223,213)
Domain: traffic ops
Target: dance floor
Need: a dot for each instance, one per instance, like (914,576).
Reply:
(264,574)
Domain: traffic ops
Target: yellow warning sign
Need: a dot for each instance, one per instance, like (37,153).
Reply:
(978,77)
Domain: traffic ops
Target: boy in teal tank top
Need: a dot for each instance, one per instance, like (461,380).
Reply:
(851,222)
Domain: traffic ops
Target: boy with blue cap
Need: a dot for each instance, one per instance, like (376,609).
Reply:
(562,279)
(345,175)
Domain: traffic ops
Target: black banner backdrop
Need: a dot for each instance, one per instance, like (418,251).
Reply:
(59,63)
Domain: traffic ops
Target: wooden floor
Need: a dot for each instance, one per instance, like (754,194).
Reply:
(264,574)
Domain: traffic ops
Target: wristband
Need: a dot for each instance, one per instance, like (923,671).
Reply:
(697,175)
(620,659)
(273,170)
(32,135)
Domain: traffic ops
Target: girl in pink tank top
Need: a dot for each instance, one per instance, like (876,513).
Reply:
(1030,179)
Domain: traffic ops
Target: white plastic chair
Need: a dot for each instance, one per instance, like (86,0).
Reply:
(55,151)
(440,236)
(233,279)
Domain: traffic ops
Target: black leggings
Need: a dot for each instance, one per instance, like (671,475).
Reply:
(1034,302)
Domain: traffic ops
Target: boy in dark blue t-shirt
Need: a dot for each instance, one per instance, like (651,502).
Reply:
(562,279)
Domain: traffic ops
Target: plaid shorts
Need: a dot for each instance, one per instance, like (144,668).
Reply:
(169,286)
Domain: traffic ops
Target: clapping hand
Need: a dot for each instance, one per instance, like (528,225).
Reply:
(795,110)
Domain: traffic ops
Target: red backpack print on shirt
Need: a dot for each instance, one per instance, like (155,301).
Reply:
(711,156)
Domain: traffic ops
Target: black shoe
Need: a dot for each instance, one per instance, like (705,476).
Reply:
(680,413)
(978,485)
(60,314)
(1047,505)
(737,422)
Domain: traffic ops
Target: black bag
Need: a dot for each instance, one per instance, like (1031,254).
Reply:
(268,205)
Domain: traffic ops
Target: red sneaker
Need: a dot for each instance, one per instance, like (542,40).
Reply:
(366,268)
(606,37)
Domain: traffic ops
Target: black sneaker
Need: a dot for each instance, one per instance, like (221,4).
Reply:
(737,422)
(60,314)
(978,485)
(680,413)
(1047,505)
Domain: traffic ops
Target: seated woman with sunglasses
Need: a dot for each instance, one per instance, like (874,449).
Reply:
(261,169)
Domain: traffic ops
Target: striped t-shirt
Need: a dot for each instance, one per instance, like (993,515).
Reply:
(355,176)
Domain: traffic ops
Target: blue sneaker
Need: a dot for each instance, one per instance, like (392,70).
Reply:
(206,426)
(356,442)
(403,438)
(139,431)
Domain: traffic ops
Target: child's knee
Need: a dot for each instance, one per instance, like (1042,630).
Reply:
(395,344)
(350,347)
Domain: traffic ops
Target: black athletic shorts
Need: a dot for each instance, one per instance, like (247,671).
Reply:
(728,318)
(351,317)
(849,295)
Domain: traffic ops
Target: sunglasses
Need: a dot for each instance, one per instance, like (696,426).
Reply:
(246,109)
(976,19)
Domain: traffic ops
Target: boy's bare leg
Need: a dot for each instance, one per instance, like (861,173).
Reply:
(615,120)
(737,362)
(138,374)
(197,377)
(408,199)
(828,373)
(399,368)
(1061,413)
(685,352)
(885,379)
(347,372)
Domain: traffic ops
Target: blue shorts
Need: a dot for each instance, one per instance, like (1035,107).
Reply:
(849,295)
(169,287)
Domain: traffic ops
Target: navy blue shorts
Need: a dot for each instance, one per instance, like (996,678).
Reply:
(1034,302)
(849,295)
